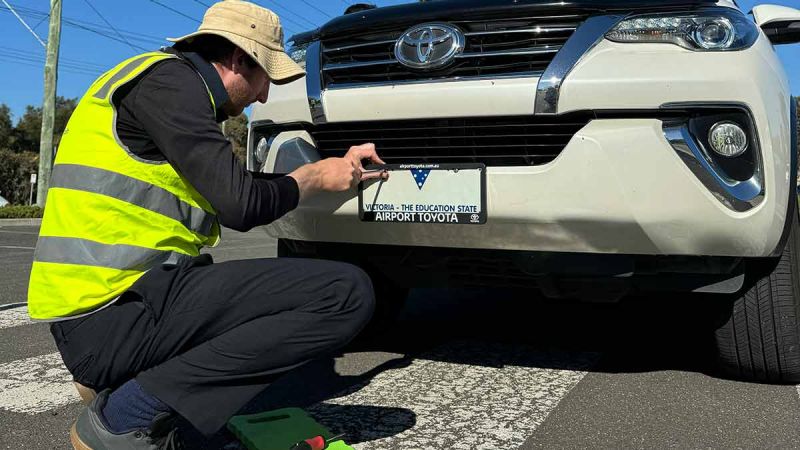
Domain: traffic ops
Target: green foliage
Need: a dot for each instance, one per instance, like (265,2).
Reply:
(29,128)
(15,175)
(20,212)
(6,126)
(236,132)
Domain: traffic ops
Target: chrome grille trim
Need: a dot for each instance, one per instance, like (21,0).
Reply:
(494,47)
(523,30)
(533,76)
(366,44)
(585,37)
(351,65)
(528,51)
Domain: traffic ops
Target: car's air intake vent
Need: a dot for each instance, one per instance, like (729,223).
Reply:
(495,141)
(507,47)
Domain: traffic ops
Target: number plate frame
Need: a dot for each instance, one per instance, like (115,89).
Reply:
(438,217)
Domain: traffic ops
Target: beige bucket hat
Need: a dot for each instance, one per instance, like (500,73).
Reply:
(254,29)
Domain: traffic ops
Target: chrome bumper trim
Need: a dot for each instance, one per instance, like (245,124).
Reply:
(588,34)
(739,196)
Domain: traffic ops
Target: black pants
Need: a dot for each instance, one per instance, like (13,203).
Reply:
(206,338)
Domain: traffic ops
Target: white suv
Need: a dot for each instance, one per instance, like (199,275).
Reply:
(588,149)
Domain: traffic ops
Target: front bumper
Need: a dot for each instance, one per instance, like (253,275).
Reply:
(618,186)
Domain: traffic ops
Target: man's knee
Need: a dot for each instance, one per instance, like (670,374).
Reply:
(361,300)
(353,302)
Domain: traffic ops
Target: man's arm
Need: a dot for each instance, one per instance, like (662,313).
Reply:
(173,107)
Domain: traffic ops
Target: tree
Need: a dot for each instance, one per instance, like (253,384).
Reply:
(29,127)
(6,126)
(15,173)
(236,132)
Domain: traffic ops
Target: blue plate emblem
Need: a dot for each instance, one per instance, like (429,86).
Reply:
(420,176)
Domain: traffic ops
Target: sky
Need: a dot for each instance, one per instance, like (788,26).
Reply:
(123,28)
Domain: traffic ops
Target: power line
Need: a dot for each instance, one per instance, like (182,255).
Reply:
(35,59)
(107,36)
(173,10)
(131,36)
(25,53)
(45,17)
(206,5)
(314,7)
(286,19)
(41,21)
(15,60)
(24,23)
(36,14)
(286,8)
(109,24)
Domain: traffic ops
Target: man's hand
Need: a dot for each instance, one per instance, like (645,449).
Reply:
(338,174)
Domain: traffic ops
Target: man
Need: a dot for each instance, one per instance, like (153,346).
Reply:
(143,179)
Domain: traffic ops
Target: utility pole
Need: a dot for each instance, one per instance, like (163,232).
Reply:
(46,152)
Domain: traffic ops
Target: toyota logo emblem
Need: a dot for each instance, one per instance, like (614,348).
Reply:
(429,46)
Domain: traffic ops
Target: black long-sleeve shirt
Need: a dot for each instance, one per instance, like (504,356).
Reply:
(167,115)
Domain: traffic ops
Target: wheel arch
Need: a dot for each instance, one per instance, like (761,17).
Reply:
(792,207)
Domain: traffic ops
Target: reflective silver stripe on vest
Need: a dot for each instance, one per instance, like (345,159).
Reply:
(90,253)
(122,73)
(131,190)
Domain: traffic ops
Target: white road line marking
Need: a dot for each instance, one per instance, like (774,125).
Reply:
(14,317)
(18,232)
(36,385)
(15,247)
(480,395)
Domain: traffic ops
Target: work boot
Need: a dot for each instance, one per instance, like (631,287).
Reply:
(89,432)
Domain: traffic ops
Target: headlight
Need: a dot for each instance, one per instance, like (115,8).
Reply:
(298,53)
(262,149)
(710,30)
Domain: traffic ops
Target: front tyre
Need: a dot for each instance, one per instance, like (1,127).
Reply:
(759,339)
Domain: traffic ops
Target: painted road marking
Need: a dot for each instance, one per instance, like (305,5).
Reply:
(35,385)
(18,232)
(18,248)
(477,394)
(14,317)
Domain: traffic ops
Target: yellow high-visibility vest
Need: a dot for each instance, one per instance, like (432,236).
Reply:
(110,216)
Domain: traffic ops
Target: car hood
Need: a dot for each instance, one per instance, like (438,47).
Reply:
(445,10)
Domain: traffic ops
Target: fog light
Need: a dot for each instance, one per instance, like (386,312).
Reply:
(262,150)
(727,139)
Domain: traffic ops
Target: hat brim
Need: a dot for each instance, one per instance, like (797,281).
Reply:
(280,68)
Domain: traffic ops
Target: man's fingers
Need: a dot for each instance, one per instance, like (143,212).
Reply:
(375,174)
(369,146)
(376,159)
(366,151)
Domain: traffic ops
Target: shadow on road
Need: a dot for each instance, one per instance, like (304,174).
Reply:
(639,334)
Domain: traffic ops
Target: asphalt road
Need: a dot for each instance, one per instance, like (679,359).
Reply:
(462,369)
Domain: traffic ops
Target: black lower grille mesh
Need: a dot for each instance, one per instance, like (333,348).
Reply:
(494,141)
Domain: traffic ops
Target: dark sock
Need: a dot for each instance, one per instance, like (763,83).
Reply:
(131,408)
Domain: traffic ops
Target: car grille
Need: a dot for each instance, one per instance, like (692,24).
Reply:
(494,141)
(499,47)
